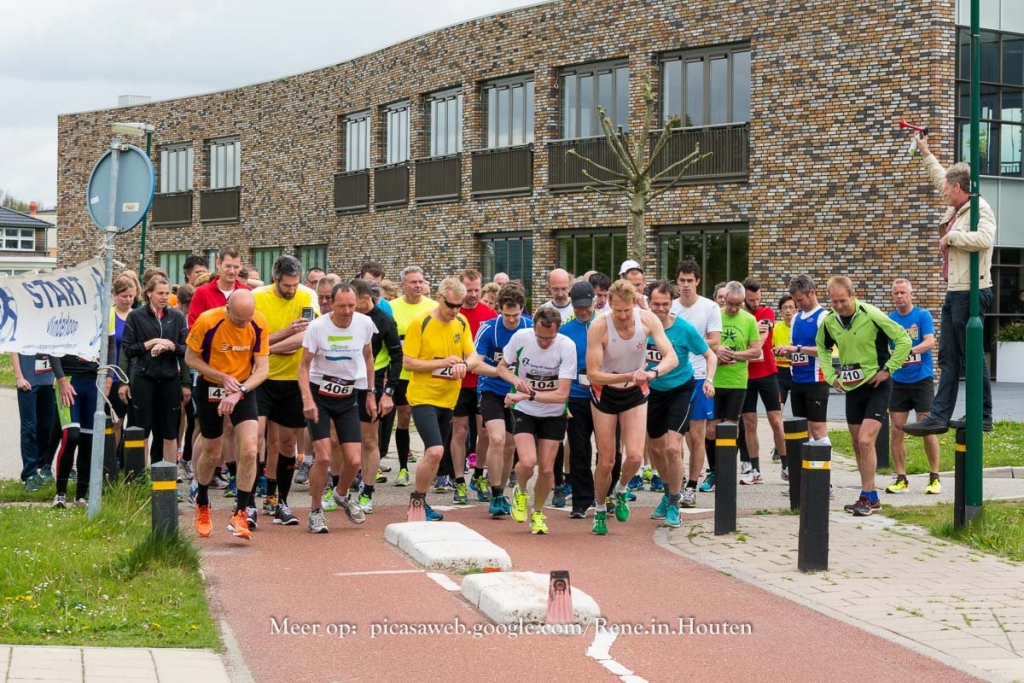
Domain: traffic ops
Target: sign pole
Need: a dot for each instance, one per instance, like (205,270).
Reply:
(99,422)
(975,352)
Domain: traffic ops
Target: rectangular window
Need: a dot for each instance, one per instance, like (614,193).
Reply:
(444,117)
(19,239)
(1001,126)
(312,256)
(602,250)
(511,254)
(706,87)
(357,141)
(176,162)
(263,260)
(585,89)
(508,107)
(396,131)
(721,251)
(225,163)
(174,263)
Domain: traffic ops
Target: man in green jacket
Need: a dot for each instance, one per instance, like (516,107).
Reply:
(862,333)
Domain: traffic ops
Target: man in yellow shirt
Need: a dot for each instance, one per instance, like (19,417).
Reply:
(438,352)
(288,308)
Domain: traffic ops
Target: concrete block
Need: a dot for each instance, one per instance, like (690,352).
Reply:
(446,545)
(508,597)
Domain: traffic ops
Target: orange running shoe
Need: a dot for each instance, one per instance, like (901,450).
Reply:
(204,525)
(239,525)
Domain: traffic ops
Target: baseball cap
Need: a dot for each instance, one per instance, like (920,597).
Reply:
(628,266)
(581,294)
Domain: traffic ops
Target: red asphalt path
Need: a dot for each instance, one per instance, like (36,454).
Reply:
(289,573)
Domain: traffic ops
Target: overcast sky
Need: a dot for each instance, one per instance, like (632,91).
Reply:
(64,56)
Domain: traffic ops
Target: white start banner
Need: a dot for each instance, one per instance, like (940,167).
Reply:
(56,313)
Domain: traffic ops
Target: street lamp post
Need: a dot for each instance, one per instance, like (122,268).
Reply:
(142,241)
(975,358)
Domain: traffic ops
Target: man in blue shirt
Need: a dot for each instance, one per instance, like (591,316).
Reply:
(491,339)
(913,387)
(670,401)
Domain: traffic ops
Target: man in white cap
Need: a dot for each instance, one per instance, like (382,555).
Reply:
(632,271)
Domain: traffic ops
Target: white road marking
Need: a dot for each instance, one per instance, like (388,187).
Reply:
(599,650)
(444,581)
(383,571)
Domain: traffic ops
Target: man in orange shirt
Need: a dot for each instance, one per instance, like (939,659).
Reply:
(229,349)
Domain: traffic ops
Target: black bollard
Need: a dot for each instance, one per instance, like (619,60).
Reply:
(110,469)
(796,435)
(134,453)
(882,443)
(814,484)
(165,497)
(960,483)
(725,477)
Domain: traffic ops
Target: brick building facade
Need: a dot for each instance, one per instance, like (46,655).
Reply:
(823,183)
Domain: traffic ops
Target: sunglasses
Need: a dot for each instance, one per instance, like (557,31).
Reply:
(449,304)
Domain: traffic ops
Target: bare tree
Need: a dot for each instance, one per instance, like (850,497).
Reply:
(637,175)
(9,201)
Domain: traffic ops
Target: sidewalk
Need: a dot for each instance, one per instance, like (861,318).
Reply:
(32,664)
(959,606)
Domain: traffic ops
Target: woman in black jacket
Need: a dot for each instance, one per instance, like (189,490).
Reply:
(154,342)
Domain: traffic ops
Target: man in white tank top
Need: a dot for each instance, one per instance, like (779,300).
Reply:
(616,362)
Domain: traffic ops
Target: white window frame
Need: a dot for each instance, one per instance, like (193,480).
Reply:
(500,103)
(176,166)
(444,110)
(225,163)
(357,141)
(396,132)
(18,237)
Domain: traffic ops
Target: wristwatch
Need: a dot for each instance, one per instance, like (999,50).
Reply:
(244,389)
(799,348)
(656,372)
(533,394)
(389,391)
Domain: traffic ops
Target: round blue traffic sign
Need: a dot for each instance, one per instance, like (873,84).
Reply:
(133,195)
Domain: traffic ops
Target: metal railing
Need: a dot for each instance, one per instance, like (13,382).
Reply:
(352,191)
(729,145)
(439,179)
(565,171)
(391,185)
(502,172)
(172,209)
(219,205)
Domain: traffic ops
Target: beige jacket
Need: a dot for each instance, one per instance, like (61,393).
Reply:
(961,240)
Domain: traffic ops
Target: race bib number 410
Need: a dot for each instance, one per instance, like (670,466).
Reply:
(851,374)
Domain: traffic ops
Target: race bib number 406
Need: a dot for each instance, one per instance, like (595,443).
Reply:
(335,387)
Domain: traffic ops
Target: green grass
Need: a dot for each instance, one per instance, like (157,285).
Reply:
(12,490)
(998,528)
(1004,446)
(6,371)
(66,580)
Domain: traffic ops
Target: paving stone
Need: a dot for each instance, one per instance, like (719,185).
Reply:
(446,545)
(508,597)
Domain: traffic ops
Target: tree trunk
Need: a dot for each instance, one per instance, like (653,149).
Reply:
(638,229)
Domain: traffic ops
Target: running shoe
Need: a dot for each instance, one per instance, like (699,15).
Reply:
(745,467)
(863,507)
(506,505)
(403,477)
(261,486)
(59,501)
(381,478)
(45,473)
(519,501)
(578,514)
(431,515)
(482,488)
(203,523)
(898,485)
(366,503)
(317,524)
(600,524)
(775,455)
(444,483)
(512,478)
(621,507)
(73,475)
(672,516)
(636,483)
(218,483)
(283,515)
(269,505)
(877,505)
(181,468)
(82,502)
(688,499)
(471,461)
(568,489)
(32,484)
(708,484)
(831,492)
(231,490)
(239,525)
(662,510)
(558,497)
(193,491)
(251,514)
(657,485)
(412,458)
(537,523)
(329,505)
(609,505)
(496,509)
(753,477)
(934,487)
(461,496)
(302,475)
(384,468)
(646,472)
(785,474)
(190,473)
(630,496)
(357,483)
(354,513)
